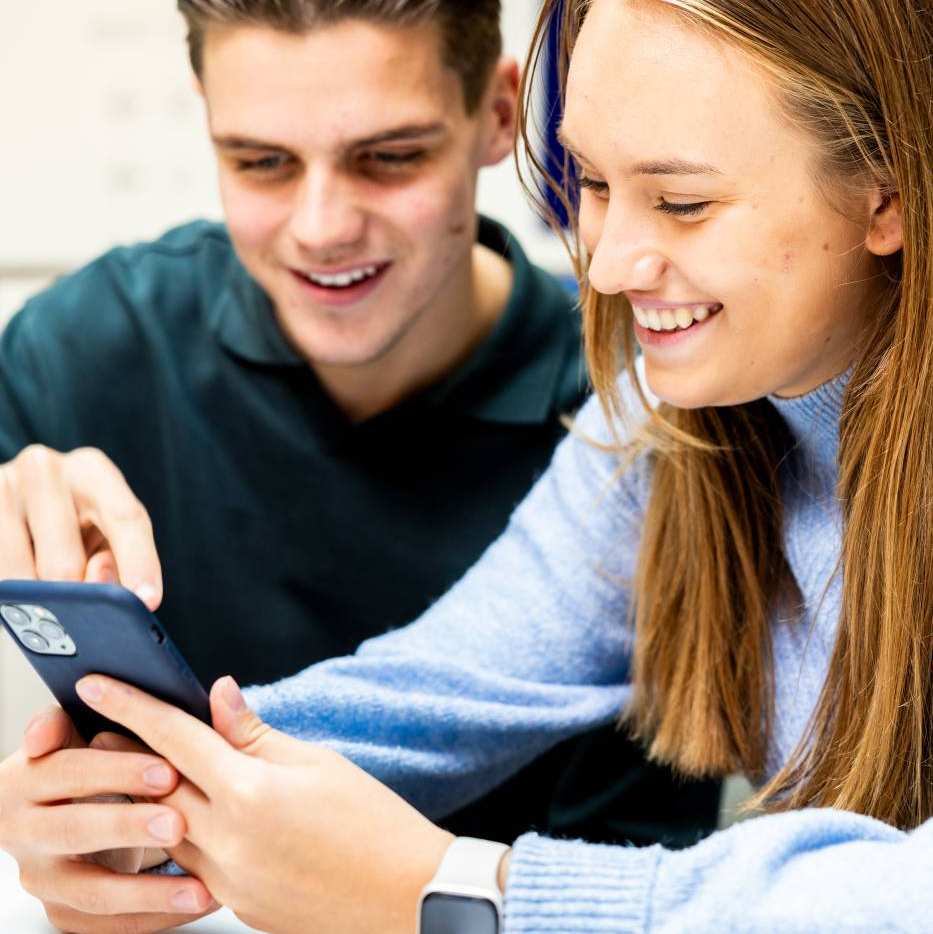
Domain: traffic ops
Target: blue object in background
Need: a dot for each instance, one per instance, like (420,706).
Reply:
(554,157)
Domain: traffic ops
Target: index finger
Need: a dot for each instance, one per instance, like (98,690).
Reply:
(16,555)
(103,498)
(190,745)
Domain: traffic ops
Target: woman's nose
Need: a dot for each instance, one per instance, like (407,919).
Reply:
(618,268)
(625,255)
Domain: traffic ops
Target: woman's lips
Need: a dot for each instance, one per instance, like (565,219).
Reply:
(648,336)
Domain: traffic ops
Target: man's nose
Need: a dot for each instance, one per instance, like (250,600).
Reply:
(326,219)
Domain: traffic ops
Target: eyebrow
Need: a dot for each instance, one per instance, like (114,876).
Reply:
(653,166)
(409,132)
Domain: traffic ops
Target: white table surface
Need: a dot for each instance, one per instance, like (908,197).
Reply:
(22,914)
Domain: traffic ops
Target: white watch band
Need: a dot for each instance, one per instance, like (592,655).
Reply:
(470,869)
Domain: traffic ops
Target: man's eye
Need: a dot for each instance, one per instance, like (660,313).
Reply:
(266,164)
(688,209)
(391,160)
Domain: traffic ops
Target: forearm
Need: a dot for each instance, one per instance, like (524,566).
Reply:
(813,871)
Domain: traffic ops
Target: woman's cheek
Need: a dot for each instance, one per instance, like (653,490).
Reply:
(590,221)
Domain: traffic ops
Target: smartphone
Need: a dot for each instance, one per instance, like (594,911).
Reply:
(67,631)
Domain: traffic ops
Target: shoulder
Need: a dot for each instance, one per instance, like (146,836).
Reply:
(608,440)
(546,308)
(128,286)
(604,428)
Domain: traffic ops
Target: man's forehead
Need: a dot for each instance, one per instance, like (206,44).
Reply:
(371,86)
(348,49)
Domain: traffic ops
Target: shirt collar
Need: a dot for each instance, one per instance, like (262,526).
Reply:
(518,374)
(244,322)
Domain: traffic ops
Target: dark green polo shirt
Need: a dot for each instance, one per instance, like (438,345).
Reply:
(287,533)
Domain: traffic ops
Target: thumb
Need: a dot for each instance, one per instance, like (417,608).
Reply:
(234,721)
(50,731)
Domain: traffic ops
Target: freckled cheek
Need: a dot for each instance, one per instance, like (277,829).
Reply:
(433,213)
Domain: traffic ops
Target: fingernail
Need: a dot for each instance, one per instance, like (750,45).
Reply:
(90,691)
(233,697)
(147,593)
(163,828)
(185,900)
(157,776)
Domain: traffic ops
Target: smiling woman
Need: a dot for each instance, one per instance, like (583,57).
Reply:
(785,230)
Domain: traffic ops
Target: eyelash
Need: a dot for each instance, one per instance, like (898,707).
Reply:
(393,159)
(665,207)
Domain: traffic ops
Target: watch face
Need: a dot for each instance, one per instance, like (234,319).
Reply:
(457,914)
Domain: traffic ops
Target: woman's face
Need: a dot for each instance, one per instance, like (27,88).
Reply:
(699,203)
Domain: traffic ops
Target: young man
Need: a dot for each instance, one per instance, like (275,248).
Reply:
(307,423)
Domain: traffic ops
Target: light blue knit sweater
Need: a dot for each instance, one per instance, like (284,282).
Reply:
(532,646)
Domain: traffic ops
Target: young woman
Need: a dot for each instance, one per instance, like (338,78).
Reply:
(734,547)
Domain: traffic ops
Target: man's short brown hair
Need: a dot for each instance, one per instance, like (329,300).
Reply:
(472,40)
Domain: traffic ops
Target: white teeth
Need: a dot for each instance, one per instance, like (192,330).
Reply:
(670,319)
(343,279)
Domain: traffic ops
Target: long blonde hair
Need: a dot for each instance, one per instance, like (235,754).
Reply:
(711,572)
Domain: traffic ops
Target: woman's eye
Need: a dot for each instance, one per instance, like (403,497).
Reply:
(591,184)
(687,209)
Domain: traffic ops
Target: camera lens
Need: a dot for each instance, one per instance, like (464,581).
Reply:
(15,616)
(34,641)
(52,631)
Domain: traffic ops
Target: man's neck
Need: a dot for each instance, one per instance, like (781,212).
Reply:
(434,347)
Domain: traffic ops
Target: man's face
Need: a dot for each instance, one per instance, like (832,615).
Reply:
(348,172)
(699,200)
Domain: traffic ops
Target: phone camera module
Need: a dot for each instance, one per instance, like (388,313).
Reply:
(15,616)
(34,641)
(52,631)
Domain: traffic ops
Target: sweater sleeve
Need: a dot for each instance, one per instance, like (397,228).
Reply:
(816,870)
(529,648)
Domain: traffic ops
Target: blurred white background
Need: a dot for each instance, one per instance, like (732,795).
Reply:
(104,142)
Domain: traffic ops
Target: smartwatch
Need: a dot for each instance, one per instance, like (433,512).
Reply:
(464,895)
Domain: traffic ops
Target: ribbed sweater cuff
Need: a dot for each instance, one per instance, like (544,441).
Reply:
(568,885)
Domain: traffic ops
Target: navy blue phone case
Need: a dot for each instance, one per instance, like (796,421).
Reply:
(115,635)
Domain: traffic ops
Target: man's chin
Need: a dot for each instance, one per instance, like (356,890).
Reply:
(343,353)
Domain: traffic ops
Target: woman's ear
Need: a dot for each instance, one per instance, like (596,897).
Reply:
(885,232)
